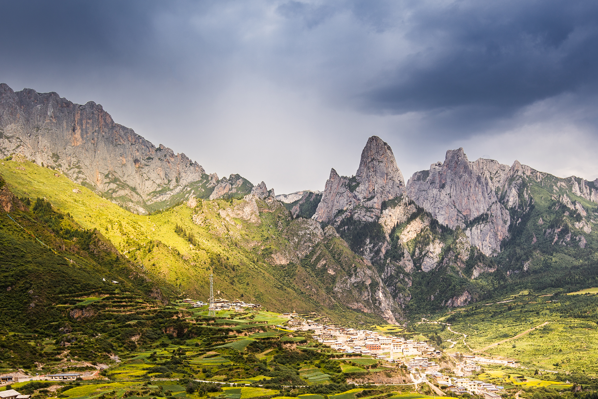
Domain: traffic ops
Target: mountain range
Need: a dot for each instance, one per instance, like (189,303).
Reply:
(368,245)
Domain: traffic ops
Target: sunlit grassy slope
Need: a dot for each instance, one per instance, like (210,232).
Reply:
(565,338)
(179,251)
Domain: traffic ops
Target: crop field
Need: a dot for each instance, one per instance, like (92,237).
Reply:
(505,378)
(388,329)
(88,301)
(365,361)
(261,357)
(349,368)
(245,392)
(311,396)
(314,376)
(90,390)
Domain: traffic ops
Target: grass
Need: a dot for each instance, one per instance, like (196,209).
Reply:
(593,291)
(567,344)
(501,377)
(246,392)
(364,361)
(314,375)
(91,389)
(349,368)
(173,249)
(237,345)
(88,301)
(388,329)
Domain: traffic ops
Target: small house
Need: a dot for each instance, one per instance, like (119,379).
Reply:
(64,376)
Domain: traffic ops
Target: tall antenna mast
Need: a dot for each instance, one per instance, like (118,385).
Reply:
(211,310)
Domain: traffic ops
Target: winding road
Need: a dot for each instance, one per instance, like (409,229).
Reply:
(512,338)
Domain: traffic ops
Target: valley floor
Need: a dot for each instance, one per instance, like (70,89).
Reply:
(250,355)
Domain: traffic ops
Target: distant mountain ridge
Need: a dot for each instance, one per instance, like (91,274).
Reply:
(457,222)
(453,234)
(86,144)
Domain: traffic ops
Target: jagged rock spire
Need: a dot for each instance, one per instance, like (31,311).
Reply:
(378,174)
(378,179)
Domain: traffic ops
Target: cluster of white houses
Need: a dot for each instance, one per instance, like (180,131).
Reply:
(364,342)
(12,394)
(224,304)
(461,386)
(21,377)
(415,355)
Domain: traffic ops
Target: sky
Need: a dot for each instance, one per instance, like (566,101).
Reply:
(282,91)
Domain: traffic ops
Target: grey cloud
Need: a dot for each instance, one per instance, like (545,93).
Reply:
(500,55)
(228,82)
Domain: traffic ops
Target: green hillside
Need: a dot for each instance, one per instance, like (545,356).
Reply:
(548,331)
(181,246)
(63,287)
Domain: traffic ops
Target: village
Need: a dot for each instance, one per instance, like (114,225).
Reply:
(423,362)
(8,379)
(418,357)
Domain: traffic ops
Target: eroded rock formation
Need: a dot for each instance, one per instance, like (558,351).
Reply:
(378,179)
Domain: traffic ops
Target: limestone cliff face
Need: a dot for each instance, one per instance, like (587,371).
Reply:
(90,148)
(337,197)
(262,192)
(462,194)
(378,179)
(302,203)
(585,189)
(355,282)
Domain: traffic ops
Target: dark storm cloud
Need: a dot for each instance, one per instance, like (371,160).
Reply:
(490,59)
(74,31)
(228,82)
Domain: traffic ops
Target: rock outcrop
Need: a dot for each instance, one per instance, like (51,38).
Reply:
(458,301)
(302,203)
(378,179)
(459,193)
(262,192)
(234,186)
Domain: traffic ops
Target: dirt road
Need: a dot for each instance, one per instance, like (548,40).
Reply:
(512,338)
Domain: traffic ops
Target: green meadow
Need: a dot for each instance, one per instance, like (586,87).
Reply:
(546,331)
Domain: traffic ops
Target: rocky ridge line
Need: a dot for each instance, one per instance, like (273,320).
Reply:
(378,179)
(86,144)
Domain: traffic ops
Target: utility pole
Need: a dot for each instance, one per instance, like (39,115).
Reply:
(211,310)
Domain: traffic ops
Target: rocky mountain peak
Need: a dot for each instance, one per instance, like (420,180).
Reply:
(455,156)
(378,179)
(261,191)
(458,192)
(85,143)
(377,160)
(456,161)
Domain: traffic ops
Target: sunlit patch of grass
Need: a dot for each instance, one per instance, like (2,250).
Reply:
(593,291)
(349,368)
(88,301)
(364,361)
(238,345)
(314,376)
